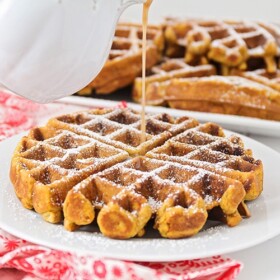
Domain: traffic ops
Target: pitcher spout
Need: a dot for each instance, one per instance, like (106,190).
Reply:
(127,3)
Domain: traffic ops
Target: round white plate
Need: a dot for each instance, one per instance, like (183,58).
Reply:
(263,225)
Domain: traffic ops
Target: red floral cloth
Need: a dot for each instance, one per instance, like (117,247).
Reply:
(50,264)
(16,114)
(20,259)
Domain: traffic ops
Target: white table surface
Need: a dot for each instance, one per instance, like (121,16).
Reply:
(267,10)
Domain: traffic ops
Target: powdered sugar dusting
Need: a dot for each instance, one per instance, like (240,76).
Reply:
(155,204)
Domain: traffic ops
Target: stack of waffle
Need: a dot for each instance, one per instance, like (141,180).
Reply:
(93,163)
(184,49)
(230,44)
(244,49)
(124,63)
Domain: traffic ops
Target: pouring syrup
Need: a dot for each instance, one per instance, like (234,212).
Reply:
(145,13)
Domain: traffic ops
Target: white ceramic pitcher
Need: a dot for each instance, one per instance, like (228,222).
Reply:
(52,48)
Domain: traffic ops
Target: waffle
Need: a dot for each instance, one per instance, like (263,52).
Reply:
(153,186)
(230,43)
(176,195)
(125,59)
(52,159)
(261,76)
(92,163)
(226,95)
(137,189)
(274,30)
(206,147)
(160,76)
(48,163)
(122,128)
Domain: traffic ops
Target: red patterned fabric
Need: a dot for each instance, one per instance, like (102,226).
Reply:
(50,264)
(16,114)
(23,260)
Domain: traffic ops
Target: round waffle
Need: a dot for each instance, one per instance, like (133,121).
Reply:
(92,163)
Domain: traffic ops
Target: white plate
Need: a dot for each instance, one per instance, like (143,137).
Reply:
(263,225)
(245,125)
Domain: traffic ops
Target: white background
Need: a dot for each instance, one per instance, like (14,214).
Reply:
(223,9)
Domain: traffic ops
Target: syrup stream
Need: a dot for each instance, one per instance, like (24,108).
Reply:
(146,7)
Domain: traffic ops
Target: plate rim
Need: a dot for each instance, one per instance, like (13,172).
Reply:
(241,124)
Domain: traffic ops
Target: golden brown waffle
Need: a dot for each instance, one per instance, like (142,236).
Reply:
(240,48)
(200,159)
(48,163)
(230,43)
(206,147)
(167,190)
(274,30)
(125,59)
(121,128)
(44,166)
(226,95)
(176,195)
(261,76)
(160,76)
(89,161)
